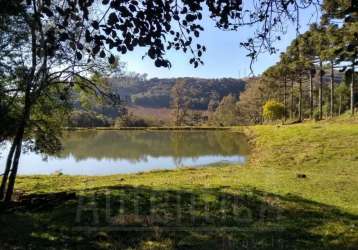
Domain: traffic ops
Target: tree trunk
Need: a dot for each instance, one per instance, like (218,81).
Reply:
(7,169)
(13,174)
(18,145)
(332,91)
(311,95)
(320,90)
(340,105)
(292,101)
(352,89)
(300,100)
(285,99)
(178,119)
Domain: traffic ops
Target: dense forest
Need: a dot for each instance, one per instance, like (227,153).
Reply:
(155,92)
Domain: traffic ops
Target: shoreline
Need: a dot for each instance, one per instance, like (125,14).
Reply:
(151,128)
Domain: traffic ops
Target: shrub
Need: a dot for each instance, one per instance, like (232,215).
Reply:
(325,112)
(273,110)
(130,120)
(88,119)
(316,114)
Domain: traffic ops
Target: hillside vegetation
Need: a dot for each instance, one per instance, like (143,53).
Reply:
(155,92)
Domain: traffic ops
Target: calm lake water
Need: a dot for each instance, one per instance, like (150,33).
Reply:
(117,152)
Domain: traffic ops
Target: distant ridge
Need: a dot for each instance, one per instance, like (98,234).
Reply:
(155,92)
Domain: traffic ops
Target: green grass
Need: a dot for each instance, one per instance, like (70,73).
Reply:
(263,205)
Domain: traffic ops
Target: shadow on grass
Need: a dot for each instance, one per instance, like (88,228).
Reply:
(126,217)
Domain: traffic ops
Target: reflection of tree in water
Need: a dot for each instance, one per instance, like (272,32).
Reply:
(230,143)
(139,145)
(177,143)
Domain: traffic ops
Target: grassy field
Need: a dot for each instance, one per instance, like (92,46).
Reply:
(298,191)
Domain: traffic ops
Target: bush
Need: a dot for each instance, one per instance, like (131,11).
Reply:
(131,121)
(316,114)
(273,110)
(88,119)
(325,112)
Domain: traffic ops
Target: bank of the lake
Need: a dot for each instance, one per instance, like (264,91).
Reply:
(167,128)
(298,191)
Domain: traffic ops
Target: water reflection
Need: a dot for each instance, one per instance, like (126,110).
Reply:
(111,152)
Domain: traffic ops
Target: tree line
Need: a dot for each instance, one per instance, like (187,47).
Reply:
(315,75)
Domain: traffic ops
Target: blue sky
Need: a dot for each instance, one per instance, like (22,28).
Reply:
(224,56)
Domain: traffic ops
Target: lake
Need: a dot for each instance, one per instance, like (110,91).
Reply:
(93,152)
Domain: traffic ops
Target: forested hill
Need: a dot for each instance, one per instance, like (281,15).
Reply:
(155,92)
